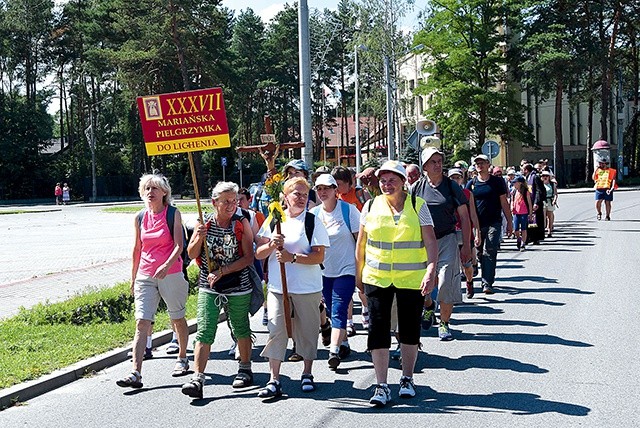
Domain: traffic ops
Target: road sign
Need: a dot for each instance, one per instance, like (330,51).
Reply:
(224,161)
(491,148)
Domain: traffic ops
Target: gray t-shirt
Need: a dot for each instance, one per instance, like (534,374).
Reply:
(443,201)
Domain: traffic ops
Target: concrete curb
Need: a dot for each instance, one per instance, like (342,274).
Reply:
(33,388)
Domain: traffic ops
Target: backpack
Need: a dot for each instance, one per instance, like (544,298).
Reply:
(171,215)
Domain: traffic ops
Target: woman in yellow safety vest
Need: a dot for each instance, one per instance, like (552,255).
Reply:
(396,256)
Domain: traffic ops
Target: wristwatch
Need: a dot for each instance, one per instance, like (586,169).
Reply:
(294,257)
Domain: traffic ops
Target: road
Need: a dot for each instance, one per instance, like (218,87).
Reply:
(554,347)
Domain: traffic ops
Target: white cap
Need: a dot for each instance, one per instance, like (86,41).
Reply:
(392,166)
(483,157)
(455,171)
(428,152)
(326,180)
(545,173)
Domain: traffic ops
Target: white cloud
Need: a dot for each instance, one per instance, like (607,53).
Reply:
(270,11)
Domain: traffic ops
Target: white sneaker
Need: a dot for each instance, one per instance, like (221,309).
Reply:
(381,396)
(407,388)
(232,350)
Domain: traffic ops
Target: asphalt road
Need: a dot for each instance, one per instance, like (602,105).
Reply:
(556,346)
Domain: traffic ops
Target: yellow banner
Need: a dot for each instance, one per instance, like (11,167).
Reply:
(188,145)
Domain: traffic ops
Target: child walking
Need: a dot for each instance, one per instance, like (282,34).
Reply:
(521,209)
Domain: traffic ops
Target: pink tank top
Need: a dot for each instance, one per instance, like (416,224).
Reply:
(157,244)
(520,204)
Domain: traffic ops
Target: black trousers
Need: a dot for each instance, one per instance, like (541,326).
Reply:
(380,301)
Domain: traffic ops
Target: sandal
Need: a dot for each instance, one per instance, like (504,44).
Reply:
(134,380)
(351,331)
(181,368)
(325,332)
(193,388)
(243,379)
(308,385)
(599,216)
(272,389)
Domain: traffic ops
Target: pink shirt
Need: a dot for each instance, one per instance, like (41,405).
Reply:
(520,203)
(157,244)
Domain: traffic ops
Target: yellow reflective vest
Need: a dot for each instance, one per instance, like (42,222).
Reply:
(394,253)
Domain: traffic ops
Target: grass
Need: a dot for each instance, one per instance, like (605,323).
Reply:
(35,343)
(27,211)
(132,209)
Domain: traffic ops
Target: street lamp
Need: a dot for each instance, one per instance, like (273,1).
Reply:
(357,112)
(89,133)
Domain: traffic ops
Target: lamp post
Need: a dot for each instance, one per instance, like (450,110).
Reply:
(387,77)
(92,145)
(357,112)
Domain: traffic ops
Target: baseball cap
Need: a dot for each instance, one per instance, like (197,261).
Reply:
(392,166)
(326,180)
(455,171)
(483,157)
(518,178)
(297,164)
(366,173)
(547,173)
(428,152)
(498,170)
(511,171)
(323,170)
(462,165)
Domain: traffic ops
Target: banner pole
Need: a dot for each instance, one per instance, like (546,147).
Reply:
(197,194)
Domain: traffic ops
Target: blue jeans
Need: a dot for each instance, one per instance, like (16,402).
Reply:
(337,293)
(489,245)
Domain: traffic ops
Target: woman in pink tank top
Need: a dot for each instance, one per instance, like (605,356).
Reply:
(157,273)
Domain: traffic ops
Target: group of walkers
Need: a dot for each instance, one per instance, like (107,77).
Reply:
(405,240)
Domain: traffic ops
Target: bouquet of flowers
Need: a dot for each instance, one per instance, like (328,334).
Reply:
(273,187)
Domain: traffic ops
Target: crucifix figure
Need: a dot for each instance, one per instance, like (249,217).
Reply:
(269,149)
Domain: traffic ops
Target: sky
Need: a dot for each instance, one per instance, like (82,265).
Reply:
(267,9)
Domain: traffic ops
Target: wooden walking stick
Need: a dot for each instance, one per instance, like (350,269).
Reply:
(285,291)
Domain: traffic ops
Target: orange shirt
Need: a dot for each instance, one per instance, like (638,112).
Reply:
(352,198)
(604,178)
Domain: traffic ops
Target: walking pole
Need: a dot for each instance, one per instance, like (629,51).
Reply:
(285,291)
(197,193)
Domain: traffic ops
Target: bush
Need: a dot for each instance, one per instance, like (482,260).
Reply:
(111,305)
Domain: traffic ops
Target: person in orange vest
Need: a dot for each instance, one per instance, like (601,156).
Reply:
(605,179)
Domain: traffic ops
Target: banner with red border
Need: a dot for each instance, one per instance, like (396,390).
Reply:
(181,122)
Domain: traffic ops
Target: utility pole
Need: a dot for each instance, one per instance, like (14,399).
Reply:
(387,77)
(619,127)
(305,82)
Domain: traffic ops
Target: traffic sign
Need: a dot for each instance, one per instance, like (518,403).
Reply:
(491,149)
(224,161)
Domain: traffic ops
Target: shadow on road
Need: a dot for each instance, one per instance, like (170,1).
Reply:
(517,403)
(542,339)
(499,322)
(493,362)
(545,290)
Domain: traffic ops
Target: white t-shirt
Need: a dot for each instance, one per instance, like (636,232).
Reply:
(340,258)
(301,279)
(424,215)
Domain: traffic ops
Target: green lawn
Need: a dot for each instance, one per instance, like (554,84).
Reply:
(43,339)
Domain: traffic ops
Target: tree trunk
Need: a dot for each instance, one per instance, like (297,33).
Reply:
(558,161)
(607,72)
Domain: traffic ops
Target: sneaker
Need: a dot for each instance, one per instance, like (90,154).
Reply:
(173,347)
(148,354)
(381,395)
(134,380)
(334,360)
(232,350)
(344,351)
(351,330)
(243,379)
(429,316)
(365,320)
(475,270)
(522,249)
(519,243)
(487,289)
(444,333)
(395,354)
(265,317)
(407,388)
(325,332)
(181,368)
(193,388)
(470,291)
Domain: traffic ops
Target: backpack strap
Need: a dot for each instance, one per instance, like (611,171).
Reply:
(360,195)
(344,207)
(309,225)
(171,217)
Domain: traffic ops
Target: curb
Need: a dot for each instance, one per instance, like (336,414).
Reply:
(33,388)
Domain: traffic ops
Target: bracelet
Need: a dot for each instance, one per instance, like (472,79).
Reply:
(294,257)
